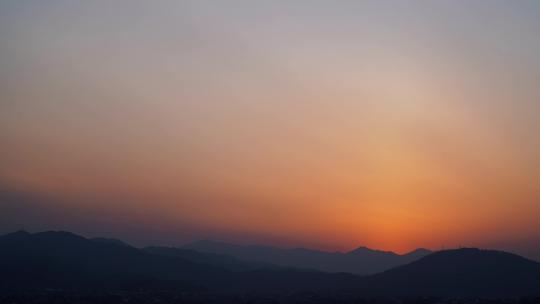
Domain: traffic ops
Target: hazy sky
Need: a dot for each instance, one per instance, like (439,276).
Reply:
(328,124)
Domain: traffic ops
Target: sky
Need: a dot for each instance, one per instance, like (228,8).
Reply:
(326,124)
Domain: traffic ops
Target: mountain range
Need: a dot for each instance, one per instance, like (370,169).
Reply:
(66,261)
(361,261)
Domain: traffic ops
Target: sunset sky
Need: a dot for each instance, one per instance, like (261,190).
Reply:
(326,124)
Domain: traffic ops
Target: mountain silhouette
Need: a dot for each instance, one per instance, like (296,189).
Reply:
(66,261)
(63,260)
(466,271)
(360,261)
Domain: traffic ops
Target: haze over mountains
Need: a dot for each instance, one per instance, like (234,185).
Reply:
(361,260)
(65,261)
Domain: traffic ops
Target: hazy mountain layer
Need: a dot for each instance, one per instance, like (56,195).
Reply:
(360,261)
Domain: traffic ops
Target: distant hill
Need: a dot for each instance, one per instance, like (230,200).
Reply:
(360,261)
(467,271)
(110,241)
(225,261)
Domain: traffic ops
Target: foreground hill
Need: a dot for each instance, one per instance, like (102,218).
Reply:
(360,261)
(466,271)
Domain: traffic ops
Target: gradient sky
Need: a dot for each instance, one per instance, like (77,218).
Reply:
(328,124)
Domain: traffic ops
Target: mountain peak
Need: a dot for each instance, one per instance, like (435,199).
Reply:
(362,250)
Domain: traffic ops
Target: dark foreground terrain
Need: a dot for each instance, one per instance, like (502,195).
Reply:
(61,267)
(58,297)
